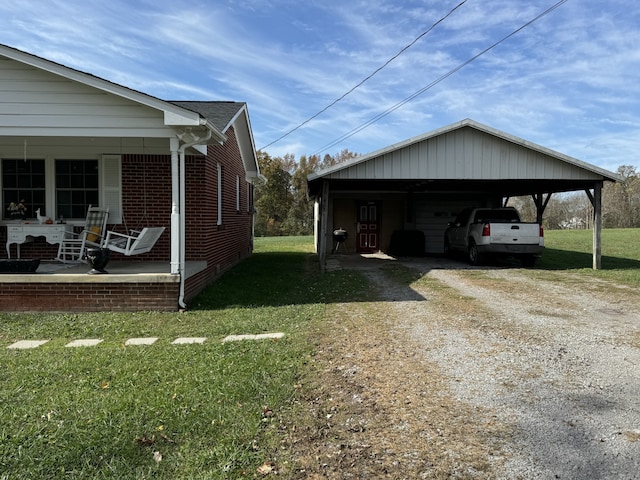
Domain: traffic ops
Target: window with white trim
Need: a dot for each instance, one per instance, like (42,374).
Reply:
(23,187)
(77,187)
(219,172)
(61,188)
(237,193)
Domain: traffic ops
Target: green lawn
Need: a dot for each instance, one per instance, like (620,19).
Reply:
(210,411)
(573,250)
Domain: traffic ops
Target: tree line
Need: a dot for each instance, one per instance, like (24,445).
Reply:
(284,208)
(620,205)
(282,202)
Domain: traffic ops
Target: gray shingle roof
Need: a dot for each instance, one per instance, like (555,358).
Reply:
(218,113)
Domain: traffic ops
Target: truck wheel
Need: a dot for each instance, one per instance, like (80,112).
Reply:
(474,256)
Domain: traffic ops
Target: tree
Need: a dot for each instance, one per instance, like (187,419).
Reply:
(300,216)
(621,200)
(282,202)
(273,198)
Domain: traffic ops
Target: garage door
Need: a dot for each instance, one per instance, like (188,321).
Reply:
(432,217)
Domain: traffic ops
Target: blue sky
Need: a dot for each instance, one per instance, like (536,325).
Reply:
(570,81)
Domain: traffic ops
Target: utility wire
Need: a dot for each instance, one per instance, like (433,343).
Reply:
(435,82)
(368,77)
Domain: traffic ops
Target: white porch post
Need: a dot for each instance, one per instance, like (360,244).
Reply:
(175,207)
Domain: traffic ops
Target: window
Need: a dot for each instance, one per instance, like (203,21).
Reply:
(61,187)
(76,187)
(237,193)
(23,185)
(219,168)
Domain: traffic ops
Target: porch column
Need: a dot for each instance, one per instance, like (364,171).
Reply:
(175,207)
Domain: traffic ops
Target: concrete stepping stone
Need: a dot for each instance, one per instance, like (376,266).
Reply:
(188,340)
(259,336)
(26,344)
(141,341)
(84,342)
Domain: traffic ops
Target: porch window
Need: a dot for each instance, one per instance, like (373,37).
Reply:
(23,183)
(77,187)
(61,187)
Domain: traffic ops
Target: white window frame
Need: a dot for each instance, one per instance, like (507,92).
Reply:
(219,184)
(109,190)
(237,193)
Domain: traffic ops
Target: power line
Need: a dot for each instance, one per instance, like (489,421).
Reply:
(368,77)
(435,82)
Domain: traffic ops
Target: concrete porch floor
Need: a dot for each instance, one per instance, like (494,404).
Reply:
(118,272)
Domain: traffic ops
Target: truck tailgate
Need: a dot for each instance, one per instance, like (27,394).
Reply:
(515,233)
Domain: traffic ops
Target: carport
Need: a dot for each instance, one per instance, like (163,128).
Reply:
(412,189)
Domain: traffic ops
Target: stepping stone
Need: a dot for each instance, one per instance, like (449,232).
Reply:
(187,340)
(141,341)
(84,342)
(25,344)
(260,336)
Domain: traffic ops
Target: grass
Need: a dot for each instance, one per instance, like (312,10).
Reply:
(571,250)
(211,410)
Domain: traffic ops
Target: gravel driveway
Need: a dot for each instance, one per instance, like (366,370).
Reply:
(459,372)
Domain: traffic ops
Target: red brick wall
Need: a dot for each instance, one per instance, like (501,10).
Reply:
(221,246)
(88,297)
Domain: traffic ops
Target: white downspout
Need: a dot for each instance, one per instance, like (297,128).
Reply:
(175,207)
(182,213)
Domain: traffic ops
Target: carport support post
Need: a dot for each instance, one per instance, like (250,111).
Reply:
(324,218)
(597,226)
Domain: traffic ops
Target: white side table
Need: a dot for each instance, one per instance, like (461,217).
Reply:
(20,233)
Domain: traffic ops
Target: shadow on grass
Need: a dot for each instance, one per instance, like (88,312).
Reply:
(555,259)
(280,278)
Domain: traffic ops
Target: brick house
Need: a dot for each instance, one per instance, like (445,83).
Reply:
(69,139)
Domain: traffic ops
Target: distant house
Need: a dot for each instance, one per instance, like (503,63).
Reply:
(69,139)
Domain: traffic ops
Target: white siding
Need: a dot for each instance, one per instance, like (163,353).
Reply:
(464,154)
(47,104)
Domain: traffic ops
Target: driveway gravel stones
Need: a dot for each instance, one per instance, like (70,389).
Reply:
(457,372)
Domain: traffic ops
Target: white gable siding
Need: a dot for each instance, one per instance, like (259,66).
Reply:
(464,154)
(42,103)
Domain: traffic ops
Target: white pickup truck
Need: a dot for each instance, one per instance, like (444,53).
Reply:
(480,232)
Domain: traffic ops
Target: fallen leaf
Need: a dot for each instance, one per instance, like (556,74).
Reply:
(266,468)
(146,441)
(632,436)
(104,384)
(157,456)
(267,412)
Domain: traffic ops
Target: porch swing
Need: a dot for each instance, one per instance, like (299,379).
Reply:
(139,240)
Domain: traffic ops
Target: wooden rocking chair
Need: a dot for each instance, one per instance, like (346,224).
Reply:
(73,247)
(134,244)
